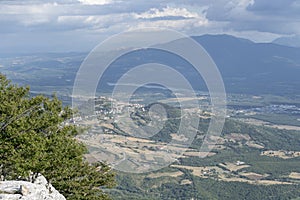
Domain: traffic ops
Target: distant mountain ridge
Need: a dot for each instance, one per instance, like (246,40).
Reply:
(246,66)
(255,67)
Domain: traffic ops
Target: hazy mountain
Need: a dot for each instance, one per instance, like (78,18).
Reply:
(246,67)
(254,67)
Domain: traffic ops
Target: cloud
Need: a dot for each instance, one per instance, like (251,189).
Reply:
(166,12)
(93,22)
(275,17)
(52,16)
(261,20)
(177,18)
(29,15)
(274,7)
(96,2)
(231,11)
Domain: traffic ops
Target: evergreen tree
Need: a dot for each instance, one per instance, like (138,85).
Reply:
(35,138)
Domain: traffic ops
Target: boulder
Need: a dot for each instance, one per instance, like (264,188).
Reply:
(38,189)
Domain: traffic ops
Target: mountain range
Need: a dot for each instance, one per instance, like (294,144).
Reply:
(246,67)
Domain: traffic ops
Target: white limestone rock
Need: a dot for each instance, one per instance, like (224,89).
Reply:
(40,189)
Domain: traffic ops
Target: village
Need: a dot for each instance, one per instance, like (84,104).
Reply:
(108,143)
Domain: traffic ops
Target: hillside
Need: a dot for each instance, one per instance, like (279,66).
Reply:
(246,67)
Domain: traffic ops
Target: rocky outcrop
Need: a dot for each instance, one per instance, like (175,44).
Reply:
(38,189)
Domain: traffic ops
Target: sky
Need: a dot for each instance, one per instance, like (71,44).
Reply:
(79,25)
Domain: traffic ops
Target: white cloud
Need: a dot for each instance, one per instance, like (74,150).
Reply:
(166,12)
(92,22)
(95,2)
(43,9)
(258,19)
(28,15)
(178,18)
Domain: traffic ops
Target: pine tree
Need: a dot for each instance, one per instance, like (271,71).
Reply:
(34,138)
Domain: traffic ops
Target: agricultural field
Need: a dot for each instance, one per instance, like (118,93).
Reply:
(249,154)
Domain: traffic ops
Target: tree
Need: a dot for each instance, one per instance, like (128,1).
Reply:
(35,138)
